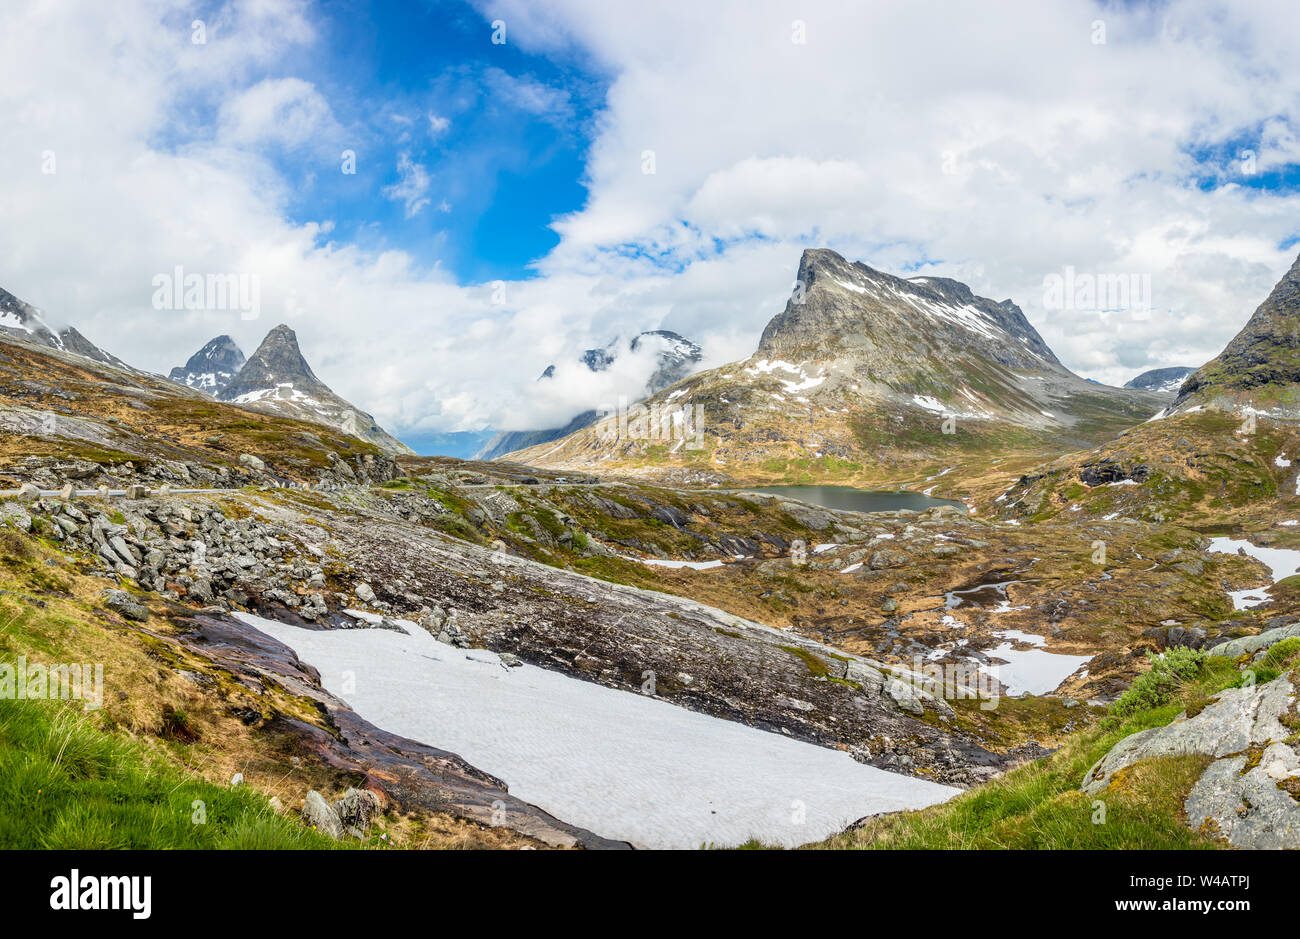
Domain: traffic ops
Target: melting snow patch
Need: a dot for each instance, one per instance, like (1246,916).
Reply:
(763,366)
(693,565)
(618,763)
(1030,671)
(1279,461)
(1283,562)
(929,403)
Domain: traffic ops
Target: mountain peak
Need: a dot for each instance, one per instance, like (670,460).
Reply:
(842,307)
(212,367)
(21,320)
(277,362)
(278,380)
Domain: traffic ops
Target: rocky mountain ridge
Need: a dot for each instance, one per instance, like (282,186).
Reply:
(212,368)
(862,366)
(22,321)
(1161,380)
(277,379)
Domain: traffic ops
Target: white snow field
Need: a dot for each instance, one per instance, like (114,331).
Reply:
(621,764)
(1283,562)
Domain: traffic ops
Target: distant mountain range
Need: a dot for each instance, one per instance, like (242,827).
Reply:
(864,366)
(676,358)
(1161,380)
(278,380)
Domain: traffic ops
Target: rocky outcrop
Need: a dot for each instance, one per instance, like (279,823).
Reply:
(1107,471)
(1234,648)
(1248,793)
(212,368)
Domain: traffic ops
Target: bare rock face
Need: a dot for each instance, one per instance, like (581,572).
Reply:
(1250,805)
(277,361)
(212,368)
(893,320)
(1245,795)
(320,815)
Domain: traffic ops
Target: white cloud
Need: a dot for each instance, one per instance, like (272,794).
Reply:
(1004,145)
(526,94)
(438,124)
(285,111)
(412,187)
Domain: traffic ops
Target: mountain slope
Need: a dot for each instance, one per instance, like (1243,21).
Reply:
(1260,367)
(278,380)
(212,368)
(22,321)
(676,357)
(865,368)
(1199,459)
(1161,380)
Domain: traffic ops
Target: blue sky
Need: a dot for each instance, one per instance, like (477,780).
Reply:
(500,135)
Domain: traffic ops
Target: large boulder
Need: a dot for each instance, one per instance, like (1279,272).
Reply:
(1245,794)
(119,601)
(320,815)
(356,810)
(1234,648)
